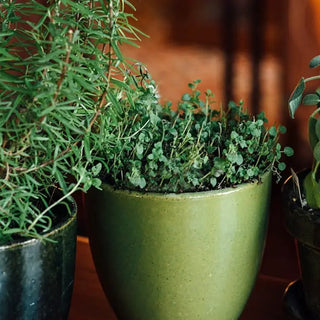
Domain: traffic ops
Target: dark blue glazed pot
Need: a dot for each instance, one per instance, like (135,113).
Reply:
(36,277)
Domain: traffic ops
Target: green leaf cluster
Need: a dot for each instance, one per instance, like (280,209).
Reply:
(74,110)
(312,182)
(188,147)
(59,65)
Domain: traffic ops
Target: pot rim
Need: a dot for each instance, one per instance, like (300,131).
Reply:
(190,195)
(300,223)
(54,230)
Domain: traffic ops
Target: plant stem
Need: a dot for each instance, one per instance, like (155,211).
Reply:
(65,65)
(103,97)
(74,189)
(312,78)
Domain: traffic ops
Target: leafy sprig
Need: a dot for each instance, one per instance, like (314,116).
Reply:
(311,182)
(59,69)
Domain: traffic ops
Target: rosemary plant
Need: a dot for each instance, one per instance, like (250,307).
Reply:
(59,65)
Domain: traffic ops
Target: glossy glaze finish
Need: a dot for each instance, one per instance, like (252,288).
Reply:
(191,256)
(36,278)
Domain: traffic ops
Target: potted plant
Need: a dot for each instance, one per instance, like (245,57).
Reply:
(178,228)
(302,202)
(54,78)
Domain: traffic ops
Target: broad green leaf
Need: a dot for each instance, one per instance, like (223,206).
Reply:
(312,191)
(313,139)
(315,62)
(311,99)
(317,128)
(296,97)
(316,151)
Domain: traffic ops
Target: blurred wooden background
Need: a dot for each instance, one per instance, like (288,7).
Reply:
(248,50)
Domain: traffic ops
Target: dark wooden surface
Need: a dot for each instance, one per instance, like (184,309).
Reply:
(88,301)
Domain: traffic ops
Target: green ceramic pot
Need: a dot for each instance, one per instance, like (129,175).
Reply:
(304,225)
(192,256)
(36,277)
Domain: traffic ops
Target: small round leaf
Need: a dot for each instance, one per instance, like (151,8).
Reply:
(186,97)
(273,131)
(288,151)
(311,99)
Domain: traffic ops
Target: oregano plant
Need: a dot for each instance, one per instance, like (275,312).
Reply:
(192,146)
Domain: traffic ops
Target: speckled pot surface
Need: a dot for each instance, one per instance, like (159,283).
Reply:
(36,278)
(192,256)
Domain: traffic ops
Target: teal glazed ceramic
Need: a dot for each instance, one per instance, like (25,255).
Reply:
(36,277)
(191,256)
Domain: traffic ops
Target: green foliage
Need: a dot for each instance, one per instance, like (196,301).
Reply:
(312,182)
(296,97)
(192,147)
(58,68)
(74,109)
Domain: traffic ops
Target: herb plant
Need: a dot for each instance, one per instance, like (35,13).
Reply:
(311,182)
(192,147)
(73,110)
(59,64)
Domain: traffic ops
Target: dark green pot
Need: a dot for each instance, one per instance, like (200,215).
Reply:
(36,277)
(192,256)
(304,226)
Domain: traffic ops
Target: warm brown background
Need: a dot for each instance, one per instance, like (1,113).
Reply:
(241,49)
(251,50)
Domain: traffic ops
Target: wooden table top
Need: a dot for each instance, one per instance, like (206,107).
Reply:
(90,303)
